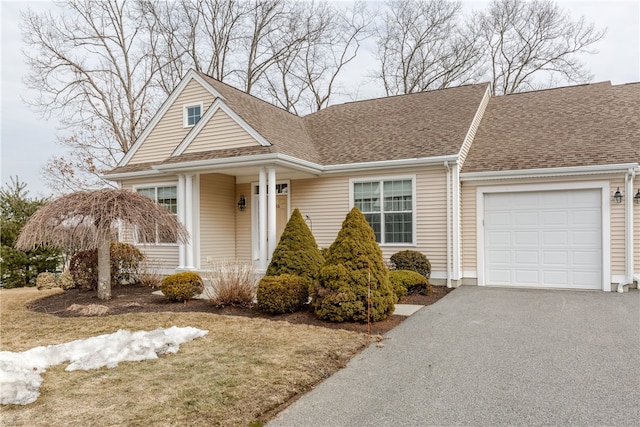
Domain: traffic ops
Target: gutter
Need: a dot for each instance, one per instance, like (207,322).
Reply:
(548,172)
(448,178)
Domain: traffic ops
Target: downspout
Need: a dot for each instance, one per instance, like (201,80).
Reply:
(628,229)
(448,169)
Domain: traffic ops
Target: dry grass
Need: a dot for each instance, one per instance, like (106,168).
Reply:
(237,374)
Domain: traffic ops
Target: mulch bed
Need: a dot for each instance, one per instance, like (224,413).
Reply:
(139,299)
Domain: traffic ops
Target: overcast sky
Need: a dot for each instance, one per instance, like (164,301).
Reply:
(27,140)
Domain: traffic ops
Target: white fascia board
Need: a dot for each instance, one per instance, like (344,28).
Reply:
(388,164)
(191,74)
(218,104)
(548,172)
(299,164)
(255,160)
(127,175)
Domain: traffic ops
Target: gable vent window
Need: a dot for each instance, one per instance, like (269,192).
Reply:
(388,207)
(192,114)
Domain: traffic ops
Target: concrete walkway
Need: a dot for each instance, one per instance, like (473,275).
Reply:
(492,356)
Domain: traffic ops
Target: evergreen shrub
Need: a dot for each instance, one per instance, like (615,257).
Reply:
(342,289)
(65,281)
(46,281)
(408,282)
(182,287)
(286,293)
(125,259)
(411,260)
(297,252)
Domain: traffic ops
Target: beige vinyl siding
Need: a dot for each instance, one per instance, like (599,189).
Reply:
(164,256)
(326,201)
(170,130)
(466,145)
(243,224)
(468,228)
(217,218)
(220,132)
(617,231)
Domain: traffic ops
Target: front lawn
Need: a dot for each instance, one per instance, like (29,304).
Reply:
(243,371)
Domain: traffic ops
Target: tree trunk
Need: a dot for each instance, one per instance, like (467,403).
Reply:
(104,270)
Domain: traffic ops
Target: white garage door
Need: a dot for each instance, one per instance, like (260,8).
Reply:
(544,239)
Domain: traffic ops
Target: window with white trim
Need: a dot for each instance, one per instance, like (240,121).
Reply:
(388,207)
(166,196)
(192,114)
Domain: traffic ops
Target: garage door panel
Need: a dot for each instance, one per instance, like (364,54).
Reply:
(526,238)
(500,276)
(527,277)
(555,218)
(550,238)
(585,237)
(558,278)
(545,238)
(550,258)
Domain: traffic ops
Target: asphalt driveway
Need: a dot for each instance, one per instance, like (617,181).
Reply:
(492,356)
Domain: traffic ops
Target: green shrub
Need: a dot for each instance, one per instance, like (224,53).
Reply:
(65,281)
(411,260)
(354,260)
(408,282)
(183,286)
(286,293)
(297,252)
(125,259)
(46,281)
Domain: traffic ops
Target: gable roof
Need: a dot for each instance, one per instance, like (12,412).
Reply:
(586,125)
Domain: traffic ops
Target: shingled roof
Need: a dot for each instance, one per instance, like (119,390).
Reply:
(593,124)
(419,125)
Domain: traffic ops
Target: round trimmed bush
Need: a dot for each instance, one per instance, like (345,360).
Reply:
(411,260)
(65,281)
(182,287)
(46,281)
(286,293)
(408,282)
(124,259)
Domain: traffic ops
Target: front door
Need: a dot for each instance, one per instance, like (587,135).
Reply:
(282,215)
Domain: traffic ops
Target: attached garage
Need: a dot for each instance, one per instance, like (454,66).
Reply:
(542,238)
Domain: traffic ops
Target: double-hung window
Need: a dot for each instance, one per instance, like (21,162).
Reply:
(388,206)
(192,114)
(166,196)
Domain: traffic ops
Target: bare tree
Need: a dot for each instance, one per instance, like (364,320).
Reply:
(91,67)
(423,45)
(86,220)
(305,78)
(529,40)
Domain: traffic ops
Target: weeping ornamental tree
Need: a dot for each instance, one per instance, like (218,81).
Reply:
(88,219)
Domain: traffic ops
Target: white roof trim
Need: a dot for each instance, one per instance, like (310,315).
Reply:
(548,172)
(138,174)
(291,161)
(191,75)
(204,120)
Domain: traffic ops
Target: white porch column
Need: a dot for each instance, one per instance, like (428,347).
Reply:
(272,211)
(189,220)
(182,259)
(457,242)
(262,220)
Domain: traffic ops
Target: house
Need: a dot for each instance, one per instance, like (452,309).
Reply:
(533,189)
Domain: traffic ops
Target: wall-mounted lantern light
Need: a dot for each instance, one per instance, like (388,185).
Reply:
(636,198)
(242,203)
(617,196)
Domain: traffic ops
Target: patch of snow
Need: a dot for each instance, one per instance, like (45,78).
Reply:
(20,372)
